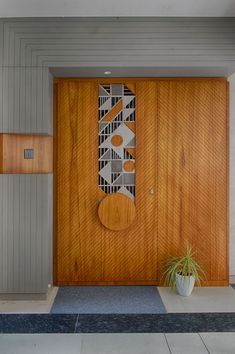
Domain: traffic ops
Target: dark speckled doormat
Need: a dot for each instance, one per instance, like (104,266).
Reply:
(108,300)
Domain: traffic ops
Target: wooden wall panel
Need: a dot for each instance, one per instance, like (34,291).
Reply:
(12,158)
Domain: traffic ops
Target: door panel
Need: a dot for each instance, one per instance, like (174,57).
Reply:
(192,174)
(79,249)
(86,250)
(181,182)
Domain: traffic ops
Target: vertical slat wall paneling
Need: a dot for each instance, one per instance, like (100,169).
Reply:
(26,100)
(15,230)
(10,235)
(48,252)
(4,201)
(3,233)
(22,232)
(25,205)
(1,230)
(102,41)
(29,47)
(33,231)
(26,229)
(1,43)
(47,91)
(1,98)
(1,73)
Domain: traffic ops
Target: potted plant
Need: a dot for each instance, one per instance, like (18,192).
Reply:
(182,272)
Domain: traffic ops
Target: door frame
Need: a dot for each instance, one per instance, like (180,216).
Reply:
(110,80)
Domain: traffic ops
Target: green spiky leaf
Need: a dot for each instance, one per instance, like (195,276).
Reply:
(185,265)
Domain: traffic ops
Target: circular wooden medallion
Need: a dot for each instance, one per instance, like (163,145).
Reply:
(117,211)
(129,166)
(117,140)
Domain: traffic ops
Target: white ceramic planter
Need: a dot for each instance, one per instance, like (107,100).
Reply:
(184,284)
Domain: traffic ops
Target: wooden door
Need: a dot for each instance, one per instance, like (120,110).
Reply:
(192,173)
(87,252)
(181,182)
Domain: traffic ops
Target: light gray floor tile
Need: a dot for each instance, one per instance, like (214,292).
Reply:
(124,344)
(205,299)
(185,343)
(35,306)
(219,343)
(40,344)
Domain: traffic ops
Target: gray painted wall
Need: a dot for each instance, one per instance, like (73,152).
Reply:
(29,48)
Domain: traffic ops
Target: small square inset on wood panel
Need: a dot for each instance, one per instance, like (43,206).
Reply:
(28,154)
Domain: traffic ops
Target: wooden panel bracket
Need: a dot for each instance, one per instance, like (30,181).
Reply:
(26,153)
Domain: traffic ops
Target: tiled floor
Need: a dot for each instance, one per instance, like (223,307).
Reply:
(186,343)
(206,299)
(214,343)
(202,300)
(117,323)
(35,306)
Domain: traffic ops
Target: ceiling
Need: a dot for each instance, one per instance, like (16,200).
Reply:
(74,8)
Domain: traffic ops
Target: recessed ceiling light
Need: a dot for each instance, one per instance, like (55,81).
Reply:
(107,72)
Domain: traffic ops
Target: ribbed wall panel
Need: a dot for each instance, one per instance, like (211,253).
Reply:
(1,43)
(26,100)
(28,48)
(1,102)
(25,238)
(30,43)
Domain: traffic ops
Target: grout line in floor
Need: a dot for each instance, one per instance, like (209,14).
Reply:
(167,343)
(82,344)
(204,343)
(76,324)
